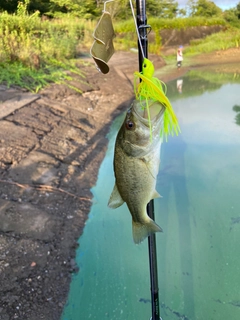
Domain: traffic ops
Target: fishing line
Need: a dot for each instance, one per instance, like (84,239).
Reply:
(136,26)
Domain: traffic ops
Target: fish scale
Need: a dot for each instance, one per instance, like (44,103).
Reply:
(136,164)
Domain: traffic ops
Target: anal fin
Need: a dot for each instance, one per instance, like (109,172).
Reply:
(115,200)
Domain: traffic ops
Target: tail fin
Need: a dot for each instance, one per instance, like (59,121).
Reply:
(143,230)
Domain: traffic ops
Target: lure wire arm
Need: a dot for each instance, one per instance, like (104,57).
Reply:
(105,3)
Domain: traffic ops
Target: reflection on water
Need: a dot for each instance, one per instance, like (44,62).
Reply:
(198,252)
(236,108)
(179,85)
(197,82)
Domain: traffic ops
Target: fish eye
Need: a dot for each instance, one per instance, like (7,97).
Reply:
(129,125)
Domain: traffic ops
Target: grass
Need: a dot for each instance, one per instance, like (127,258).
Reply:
(126,30)
(230,38)
(178,23)
(218,41)
(16,73)
(35,52)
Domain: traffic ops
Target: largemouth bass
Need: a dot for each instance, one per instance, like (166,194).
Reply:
(136,165)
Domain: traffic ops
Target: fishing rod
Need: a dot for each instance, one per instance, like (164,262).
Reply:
(142,29)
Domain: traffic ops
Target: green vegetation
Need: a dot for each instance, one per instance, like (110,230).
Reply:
(223,40)
(236,108)
(178,23)
(35,52)
(90,9)
(203,8)
(127,36)
(41,39)
(218,41)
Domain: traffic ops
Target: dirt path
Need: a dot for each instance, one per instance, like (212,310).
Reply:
(50,152)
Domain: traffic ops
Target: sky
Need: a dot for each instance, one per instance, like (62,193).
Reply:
(223,4)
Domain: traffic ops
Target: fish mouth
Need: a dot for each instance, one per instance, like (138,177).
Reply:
(154,111)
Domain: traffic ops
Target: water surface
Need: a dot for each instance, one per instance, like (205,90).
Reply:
(198,253)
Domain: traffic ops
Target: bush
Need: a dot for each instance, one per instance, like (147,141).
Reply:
(123,29)
(29,43)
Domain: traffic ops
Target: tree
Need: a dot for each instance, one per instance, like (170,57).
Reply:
(42,6)
(9,5)
(120,9)
(232,15)
(80,8)
(93,8)
(167,9)
(191,7)
(182,12)
(238,10)
(203,8)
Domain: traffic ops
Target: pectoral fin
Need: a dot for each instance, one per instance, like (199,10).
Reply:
(153,169)
(115,200)
(156,195)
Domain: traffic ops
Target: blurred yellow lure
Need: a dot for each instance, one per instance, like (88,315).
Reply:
(150,88)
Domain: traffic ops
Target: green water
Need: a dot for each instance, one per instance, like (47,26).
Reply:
(199,251)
